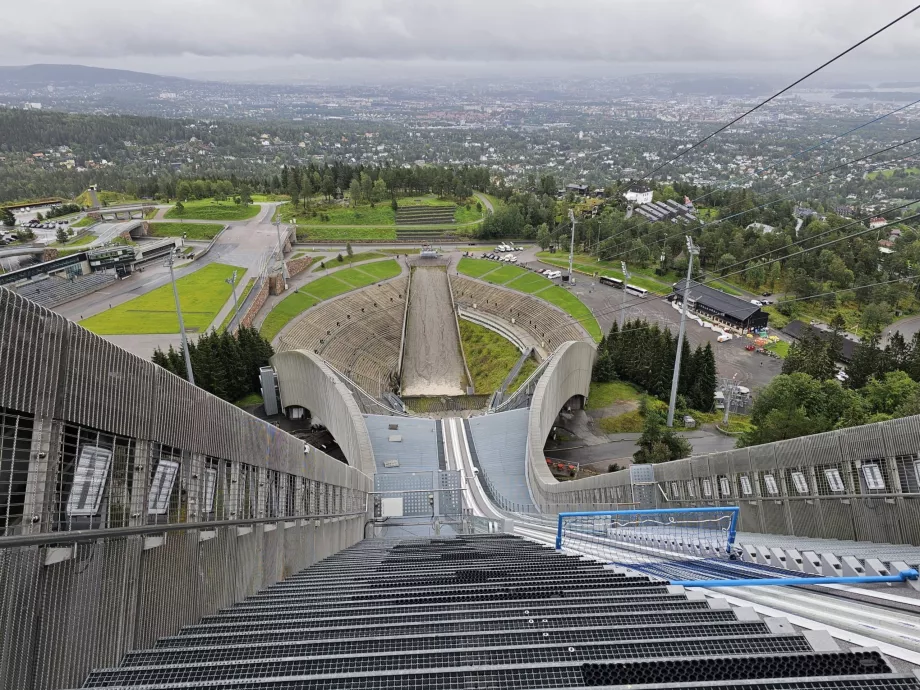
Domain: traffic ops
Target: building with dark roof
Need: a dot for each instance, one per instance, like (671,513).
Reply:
(798,330)
(721,307)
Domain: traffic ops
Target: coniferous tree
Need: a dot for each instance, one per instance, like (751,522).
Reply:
(865,363)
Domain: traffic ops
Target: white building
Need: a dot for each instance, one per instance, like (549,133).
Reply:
(639,195)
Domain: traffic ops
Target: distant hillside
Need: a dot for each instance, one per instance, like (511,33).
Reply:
(79,74)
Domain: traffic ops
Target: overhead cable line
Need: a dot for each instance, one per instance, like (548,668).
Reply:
(774,96)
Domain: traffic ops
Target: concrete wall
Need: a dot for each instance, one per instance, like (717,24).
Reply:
(306,381)
(256,305)
(298,266)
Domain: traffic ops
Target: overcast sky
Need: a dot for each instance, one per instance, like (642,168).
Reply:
(193,37)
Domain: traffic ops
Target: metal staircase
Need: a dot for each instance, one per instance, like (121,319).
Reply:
(490,611)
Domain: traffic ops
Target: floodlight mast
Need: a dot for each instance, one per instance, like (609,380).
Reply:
(626,277)
(692,250)
(236,305)
(170,259)
(571,244)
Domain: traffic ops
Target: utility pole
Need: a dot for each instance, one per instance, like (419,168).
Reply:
(571,246)
(626,277)
(236,304)
(188,359)
(692,251)
(729,387)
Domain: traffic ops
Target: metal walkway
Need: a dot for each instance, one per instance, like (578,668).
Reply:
(490,611)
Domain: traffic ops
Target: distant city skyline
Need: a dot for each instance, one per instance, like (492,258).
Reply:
(408,39)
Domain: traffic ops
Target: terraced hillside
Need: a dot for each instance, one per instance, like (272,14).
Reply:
(425,215)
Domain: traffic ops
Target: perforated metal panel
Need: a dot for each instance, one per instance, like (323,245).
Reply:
(415,488)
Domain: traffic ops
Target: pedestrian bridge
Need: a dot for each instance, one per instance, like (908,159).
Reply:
(154,536)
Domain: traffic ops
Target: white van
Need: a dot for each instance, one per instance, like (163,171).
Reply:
(757,302)
(724,338)
(553,275)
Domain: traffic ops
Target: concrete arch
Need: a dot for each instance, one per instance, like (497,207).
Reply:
(305,380)
(568,374)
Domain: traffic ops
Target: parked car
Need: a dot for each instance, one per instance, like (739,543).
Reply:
(765,294)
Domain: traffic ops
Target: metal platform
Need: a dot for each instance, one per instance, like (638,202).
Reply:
(490,611)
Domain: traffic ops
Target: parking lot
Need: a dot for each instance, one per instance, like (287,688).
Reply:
(750,369)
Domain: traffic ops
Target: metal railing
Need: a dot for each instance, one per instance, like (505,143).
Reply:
(74,601)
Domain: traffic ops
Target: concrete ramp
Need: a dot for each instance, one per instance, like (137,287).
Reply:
(432,361)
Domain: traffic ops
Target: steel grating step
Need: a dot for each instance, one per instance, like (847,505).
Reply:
(556,675)
(570,598)
(322,647)
(218,624)
(190,638)
(748,649)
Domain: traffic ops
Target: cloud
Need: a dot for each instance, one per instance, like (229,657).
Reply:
(614,31)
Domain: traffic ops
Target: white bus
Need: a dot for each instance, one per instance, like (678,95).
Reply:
(635,291)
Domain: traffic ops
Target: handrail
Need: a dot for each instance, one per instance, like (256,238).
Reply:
(92,534)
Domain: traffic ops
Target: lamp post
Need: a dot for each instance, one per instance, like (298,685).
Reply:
(571,246)
(170,259)
(692,250)
(626,277)
(236,305)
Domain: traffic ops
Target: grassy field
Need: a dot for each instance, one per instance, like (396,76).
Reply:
(76,241)
(529,366)
(890,173)
(488,355)
(201,294)
(84,222)
(270,197)
(306,233)
(574,307)
(781,348)
(605,394)
(193,231)
(336,283)
(348,260)
(529,283)
(242,300)
(628,423)
(208,209)
(499,274)
(475,268)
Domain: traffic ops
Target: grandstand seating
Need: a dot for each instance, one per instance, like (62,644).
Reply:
(546,323)
(55,291)
(490,611)
(359,333)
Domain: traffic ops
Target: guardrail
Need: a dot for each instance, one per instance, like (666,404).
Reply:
(71,602)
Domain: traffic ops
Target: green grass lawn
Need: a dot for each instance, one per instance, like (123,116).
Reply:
(347,260)
(379,216)
(505,274)
(306,233)
(488,355)
(890,173)
(606,394)
(529,366)
(628,423)
(194,231)
(574,307)
(250,400)
(323,288)
(529,282)
(475,268)
(76,241)
(242,300)
(780,347)
(201,294)
(208,209)
(84,222)
(270,197)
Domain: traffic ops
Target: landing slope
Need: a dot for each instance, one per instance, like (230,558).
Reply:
(432,363)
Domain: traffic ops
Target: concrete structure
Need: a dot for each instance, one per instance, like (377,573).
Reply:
(305,380)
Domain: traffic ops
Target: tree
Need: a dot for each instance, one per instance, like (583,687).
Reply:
(9,220)
(245,195)
(394,204)
(865,363)
(380,190)
(658,443)
(704,384)
(180,207)
(884,395)
(61,235)
(544,239)
(306,188)
(354,191)
(349,250)
(874,317)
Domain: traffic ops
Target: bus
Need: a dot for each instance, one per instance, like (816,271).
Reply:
(612,282)
(635,291)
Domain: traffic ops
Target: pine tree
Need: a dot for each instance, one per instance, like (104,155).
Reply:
(865,363)
(706,381)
